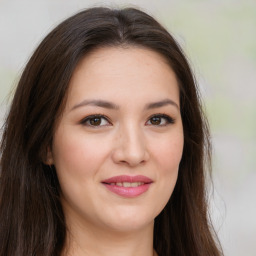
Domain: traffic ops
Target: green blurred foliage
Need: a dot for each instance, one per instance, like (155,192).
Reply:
(219,37)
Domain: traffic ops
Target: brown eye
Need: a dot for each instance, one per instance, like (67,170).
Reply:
(95,120)
(160,120)
(155,120)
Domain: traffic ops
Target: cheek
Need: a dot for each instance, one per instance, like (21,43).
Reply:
(76,155)
(168,154)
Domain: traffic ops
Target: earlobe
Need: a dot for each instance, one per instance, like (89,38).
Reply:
(49,157)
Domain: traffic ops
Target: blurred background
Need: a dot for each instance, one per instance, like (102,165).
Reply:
(219,38)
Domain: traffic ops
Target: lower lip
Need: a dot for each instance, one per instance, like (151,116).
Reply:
(128,191)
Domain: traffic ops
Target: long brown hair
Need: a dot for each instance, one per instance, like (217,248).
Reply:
(31,216)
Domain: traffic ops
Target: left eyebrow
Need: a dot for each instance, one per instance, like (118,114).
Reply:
(162,103)
(97,103)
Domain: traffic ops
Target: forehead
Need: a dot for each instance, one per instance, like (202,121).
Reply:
(132,71)
(120,56)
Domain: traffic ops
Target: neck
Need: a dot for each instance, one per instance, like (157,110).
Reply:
(85,240)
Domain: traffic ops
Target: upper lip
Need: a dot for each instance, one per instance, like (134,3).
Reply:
(127,178)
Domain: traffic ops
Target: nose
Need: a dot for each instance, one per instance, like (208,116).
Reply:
(131,147)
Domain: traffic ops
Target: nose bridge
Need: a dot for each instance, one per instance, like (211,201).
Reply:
(131,145)
(133,138)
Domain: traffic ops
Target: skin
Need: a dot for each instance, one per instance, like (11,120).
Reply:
(126,141)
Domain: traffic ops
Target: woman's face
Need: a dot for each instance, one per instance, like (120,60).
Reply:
(118,144)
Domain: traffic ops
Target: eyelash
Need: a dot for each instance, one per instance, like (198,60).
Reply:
(168,120)
(96,116)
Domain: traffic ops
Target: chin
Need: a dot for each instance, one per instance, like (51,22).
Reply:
(129,221)
(131,226)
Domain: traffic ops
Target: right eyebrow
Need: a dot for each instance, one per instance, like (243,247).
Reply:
(98,103)
(162,103)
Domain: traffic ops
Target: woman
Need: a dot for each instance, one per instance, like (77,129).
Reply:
(105,146)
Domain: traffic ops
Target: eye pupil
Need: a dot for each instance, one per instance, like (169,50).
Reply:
(95,121)
(156,120)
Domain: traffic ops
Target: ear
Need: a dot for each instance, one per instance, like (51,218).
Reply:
(49,157)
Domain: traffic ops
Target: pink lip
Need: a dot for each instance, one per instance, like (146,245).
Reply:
(128,191)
